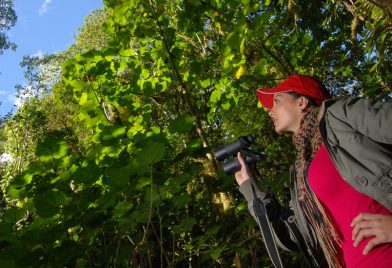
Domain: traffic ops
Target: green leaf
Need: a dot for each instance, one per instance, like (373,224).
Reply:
(241,207)
(142,182)
(121,209)
(242,45)
(118,176)
(195,143)
(127,52)
(215,254)
(182,124)
(12,215)
(216,95)
(187,224)
(182,200)
(226,106)
(205,83)
(83,98)
(213,230)
(87,173)
(48,204)
(261,67)
(112,133)
(53,147)
(5,230)
(234,40)
(307,38)
(7,263)
(151,153)
(107,200)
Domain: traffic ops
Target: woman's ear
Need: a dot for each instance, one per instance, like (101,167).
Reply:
(303,103)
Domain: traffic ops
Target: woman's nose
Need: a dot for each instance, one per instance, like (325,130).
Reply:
(270,113)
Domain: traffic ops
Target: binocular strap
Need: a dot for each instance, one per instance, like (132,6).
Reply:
(266,230)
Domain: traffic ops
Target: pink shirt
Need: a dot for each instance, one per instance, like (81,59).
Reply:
(345,203)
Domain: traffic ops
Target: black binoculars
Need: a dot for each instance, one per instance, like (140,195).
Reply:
(242,144)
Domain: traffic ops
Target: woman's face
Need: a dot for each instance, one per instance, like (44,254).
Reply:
(287,112)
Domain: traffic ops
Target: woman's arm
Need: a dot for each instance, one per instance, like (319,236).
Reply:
(373,120)
(276,213)
(372,225)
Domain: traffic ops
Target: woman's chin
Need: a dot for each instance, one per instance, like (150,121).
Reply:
(278,130)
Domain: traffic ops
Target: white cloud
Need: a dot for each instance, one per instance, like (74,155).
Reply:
(12,99)
(39,54)
(17,101)
(2,92)
(6,157)
(23,97)
(44,7)
(26,94)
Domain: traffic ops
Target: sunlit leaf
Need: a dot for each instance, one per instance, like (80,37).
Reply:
(240,71)
(52,147)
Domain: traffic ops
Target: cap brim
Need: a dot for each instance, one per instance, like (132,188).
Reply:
(266,96)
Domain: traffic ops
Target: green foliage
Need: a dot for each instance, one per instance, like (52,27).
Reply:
(111,164)
(7,20)
(51,148)
(181,124)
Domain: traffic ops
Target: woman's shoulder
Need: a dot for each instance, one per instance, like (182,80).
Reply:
(351,107)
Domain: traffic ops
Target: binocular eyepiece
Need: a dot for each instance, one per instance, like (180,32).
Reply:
(242,144)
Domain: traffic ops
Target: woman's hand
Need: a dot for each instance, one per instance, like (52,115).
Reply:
(367,225)
(244,173)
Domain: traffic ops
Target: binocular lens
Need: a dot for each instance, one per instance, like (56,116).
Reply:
(232,166)
(231,149)
(242,145)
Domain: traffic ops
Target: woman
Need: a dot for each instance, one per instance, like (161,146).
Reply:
(341,181)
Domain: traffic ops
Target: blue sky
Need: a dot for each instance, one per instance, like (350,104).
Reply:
(43,27)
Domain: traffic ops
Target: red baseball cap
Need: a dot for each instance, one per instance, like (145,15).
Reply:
(302,84)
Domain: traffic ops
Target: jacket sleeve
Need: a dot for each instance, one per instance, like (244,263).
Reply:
(373,120)
(276,213)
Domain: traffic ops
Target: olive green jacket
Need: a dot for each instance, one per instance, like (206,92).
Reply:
(358,136)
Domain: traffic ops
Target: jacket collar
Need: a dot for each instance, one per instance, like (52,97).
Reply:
(323,107)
